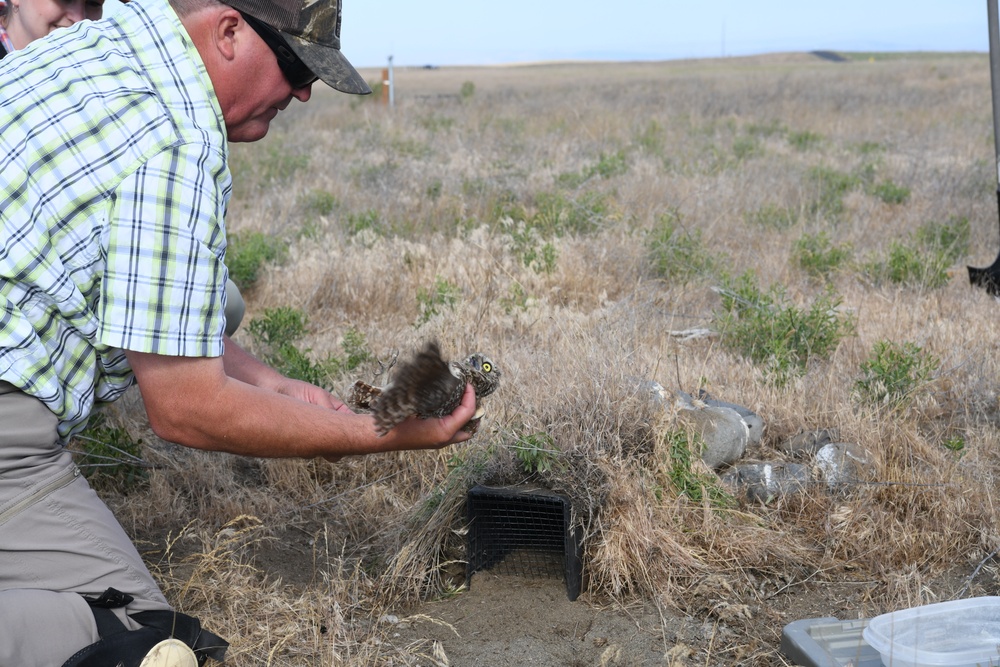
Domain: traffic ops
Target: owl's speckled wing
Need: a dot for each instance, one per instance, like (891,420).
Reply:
(362,395)
(423,386)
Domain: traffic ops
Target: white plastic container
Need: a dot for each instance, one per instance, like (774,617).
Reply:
(959,633)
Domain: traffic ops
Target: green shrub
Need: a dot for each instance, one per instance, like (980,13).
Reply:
(434,189)
(319,202)
(571,180)
(772,217)
(676,253)
(745,148)
(955,443)
(536,453)
(380,176)
(681,450)
(908,265)
(831,186)
(869,148)
(355,223)
(540,260)
(434,123)
(803,141)
(556,214)
(651,138)
(516,300)
(818,256)
(497,204)
(280,165)
(356,351)
(467,90)
(279,325)
(277,331)
(923,259)
(890,193)
(607,166)
(950,239)
(431,302)
(893,373)
(247,253)
(775,334)
(764,130)
(865,176)
(531,245)
(108,457)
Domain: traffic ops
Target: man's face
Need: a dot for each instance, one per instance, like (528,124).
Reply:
(261,94)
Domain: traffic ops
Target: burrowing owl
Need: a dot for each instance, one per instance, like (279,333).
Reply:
(427,386)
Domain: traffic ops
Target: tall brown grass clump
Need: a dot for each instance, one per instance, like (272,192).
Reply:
(571,221)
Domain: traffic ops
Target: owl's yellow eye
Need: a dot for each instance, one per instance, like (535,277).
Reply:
(487,367)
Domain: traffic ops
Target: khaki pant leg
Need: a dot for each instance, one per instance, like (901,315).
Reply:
(58,541)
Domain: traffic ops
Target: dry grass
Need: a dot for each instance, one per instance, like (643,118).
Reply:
(708,142)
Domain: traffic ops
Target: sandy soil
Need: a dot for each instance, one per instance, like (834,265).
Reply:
(508,620)
(505,619)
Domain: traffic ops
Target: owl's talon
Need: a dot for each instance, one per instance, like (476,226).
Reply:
(384,368)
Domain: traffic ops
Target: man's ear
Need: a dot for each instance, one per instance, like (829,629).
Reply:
(227,32)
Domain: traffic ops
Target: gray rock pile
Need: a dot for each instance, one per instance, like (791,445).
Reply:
(729,430)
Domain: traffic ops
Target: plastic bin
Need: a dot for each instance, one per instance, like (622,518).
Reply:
(828,642)
(959,633)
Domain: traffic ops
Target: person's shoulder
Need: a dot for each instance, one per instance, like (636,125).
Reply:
(147,15)
(54,62)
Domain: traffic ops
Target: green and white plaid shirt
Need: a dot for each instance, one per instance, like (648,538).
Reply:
(113,189)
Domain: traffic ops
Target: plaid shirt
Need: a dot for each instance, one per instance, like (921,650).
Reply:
(112,200)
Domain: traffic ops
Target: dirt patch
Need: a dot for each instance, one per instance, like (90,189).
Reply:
(504,619)
(508,620)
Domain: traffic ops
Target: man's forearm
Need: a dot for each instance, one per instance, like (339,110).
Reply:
(243,366)
(195,402)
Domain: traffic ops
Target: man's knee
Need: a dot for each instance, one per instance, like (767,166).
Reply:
(235,307)
(165,638)
(43,628)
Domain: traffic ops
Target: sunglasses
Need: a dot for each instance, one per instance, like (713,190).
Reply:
(297,72)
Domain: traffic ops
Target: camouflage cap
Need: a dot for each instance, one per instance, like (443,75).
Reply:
(312,30)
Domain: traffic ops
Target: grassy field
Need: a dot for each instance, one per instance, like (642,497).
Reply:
(568,220)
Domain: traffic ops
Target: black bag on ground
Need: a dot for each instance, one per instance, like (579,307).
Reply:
(127,648)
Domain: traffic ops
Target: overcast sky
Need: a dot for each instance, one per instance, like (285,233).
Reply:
(476,32)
